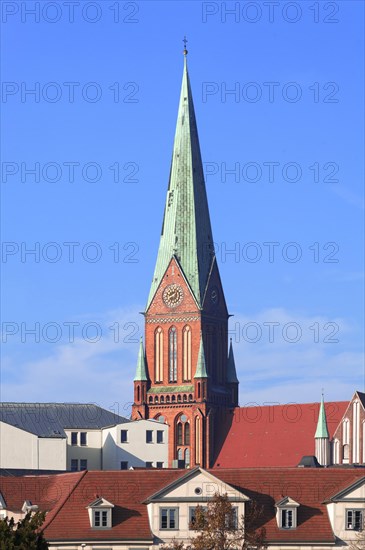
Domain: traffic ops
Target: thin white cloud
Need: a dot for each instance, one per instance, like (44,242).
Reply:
(278,370)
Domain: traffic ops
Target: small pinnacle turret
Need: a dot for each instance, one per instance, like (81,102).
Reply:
(322,445)
(201,370)
(322,430)
(231,367)
(141,371)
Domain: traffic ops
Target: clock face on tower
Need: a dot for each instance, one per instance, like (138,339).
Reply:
(173,295)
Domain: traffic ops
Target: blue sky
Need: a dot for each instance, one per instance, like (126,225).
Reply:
(98,131)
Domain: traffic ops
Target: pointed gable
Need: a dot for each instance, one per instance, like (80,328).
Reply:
(199,485)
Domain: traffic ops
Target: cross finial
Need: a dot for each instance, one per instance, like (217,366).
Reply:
(185,42)
(322,393)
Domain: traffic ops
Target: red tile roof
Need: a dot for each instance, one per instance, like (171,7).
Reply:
(66,497)
(274,435)
(47,491)
(125,489)
(308,487)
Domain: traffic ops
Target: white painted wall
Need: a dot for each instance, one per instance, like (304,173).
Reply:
(136,451)
(207,486)
(92,451)
(20,449)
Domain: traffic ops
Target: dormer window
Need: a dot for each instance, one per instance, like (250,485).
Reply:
(100,513)
(101,518)
(287,518)
(286,513)
(29,507)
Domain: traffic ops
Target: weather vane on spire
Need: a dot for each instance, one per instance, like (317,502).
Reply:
(185,42)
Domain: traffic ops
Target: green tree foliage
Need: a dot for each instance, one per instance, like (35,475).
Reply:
(24,534)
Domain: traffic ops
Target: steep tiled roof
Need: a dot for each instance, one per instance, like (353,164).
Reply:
(275,435)
(66,497)
(309,487)
(51,419)
(126,490)
(47,491)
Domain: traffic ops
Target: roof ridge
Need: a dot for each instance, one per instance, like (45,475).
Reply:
(54,512)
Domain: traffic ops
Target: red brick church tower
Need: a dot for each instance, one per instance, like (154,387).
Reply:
(185,375)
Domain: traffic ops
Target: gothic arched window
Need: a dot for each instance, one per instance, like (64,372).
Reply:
(187,434)
(179,433)
(186,354)
(172,355)
(158,354)
(197,440)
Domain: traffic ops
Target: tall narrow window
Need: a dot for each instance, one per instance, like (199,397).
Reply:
(187,353)
(172,355)
(345,441)
(187,434)
(179,433)
(345,432)
(336,452)
(159,355)
(197,440)
(356,432)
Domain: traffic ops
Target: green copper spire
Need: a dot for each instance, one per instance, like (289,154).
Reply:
(141,375)
(201,371)
(231,367)
(321,431)
(186,230)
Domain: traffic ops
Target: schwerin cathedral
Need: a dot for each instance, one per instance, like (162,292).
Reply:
(185,373)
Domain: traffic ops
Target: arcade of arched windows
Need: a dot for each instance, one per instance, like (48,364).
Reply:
(171,399)
(178,398)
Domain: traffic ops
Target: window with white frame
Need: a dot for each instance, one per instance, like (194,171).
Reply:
(100,513)
(355,519)
(169,518)
(287,518)
(286,513)
(100,518)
